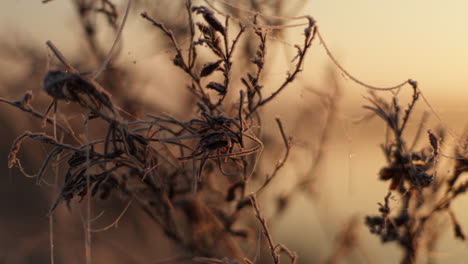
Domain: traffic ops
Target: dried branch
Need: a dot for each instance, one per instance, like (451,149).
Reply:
(274,248)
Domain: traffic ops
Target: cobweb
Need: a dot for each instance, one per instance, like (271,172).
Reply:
(356,161)
(345,157)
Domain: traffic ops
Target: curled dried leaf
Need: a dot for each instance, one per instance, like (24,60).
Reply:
(433,141)
(209,17)
(209,68)
(221,89)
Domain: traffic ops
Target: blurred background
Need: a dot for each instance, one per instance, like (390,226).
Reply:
(380,42)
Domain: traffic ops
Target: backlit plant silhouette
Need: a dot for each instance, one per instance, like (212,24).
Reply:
(198,177)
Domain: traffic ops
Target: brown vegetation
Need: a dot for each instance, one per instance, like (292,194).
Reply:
(198,176)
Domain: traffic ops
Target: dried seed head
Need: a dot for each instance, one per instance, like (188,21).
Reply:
(54,83)
(308,30)
(73,87)
(413,83)
(209,17)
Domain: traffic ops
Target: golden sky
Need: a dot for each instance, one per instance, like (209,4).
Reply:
(388,41)
(381,42)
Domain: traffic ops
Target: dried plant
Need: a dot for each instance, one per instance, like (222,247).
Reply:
(193,177)
(197,177)
(417,192)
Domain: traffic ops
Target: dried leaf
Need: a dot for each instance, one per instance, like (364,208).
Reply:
(433,141)
(221,89)
(209,68)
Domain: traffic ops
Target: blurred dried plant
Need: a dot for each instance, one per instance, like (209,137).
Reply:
(420,193)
